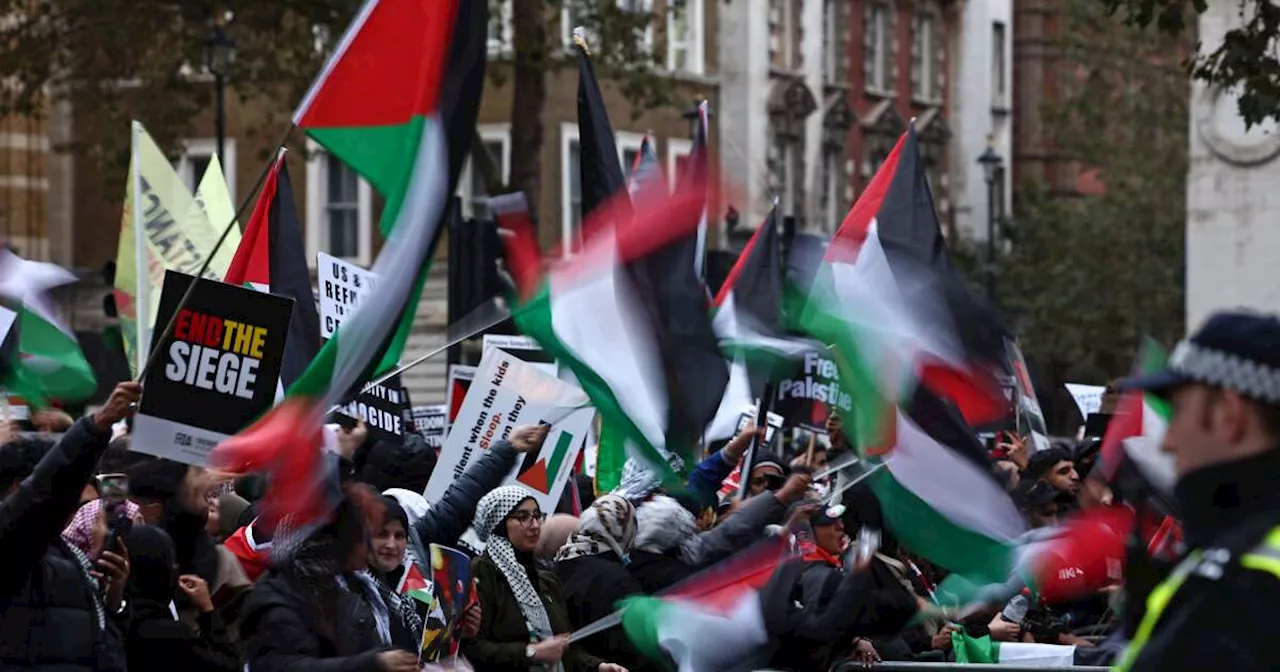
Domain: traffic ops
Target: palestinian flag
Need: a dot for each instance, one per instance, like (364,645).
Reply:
(647,169)
(1030,419)
(748,308)
(591,315)
(724,604)
(985,651)
(272,258)
(598,164)
(938,494)
(50,364)
(375,106)
(1135,433)
(892,235)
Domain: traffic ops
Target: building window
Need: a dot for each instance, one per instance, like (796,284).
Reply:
(685,36)
(574,12)
(570,188)
(923,46)
(196,157)
(677,159)
(834,53)
(339,209)
(472,188)
(876,39)
(999,78)
(500,37)
(629,145)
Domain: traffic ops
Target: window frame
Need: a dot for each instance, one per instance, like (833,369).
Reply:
(880,65)
(697,59)
(488,133)
(193,147)
(317,208)
(627,141)
(999,65)
(504,45)
(924,54)
(568,136)
(567,24)
(677,148)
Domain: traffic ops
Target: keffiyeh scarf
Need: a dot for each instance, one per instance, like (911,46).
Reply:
(663,525)
(638,481)
(609,525)
(492,511)
(80,532)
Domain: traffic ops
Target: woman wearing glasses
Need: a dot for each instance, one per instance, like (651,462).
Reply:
(525,623)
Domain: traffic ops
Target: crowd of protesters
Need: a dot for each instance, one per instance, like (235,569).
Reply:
(184,573)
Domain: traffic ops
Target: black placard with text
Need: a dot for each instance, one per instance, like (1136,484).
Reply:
(215,372)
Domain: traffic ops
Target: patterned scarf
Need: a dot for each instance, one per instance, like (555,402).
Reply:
(609,525)
(663,525)
(95,590)
(491,512)
(400,604)
(80,532)
(639,481)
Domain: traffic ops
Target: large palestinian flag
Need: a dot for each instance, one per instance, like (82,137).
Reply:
(375,106)
(272,258)
(589,312)
(1140,422)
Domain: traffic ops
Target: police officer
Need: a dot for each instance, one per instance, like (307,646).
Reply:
(1216,610)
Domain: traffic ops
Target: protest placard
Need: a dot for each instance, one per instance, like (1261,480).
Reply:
(429,422)
(1088,398)
(342,286)
(217,370)
(523,348)
(773,422)
(460,378)
(383,408)
(509,393)
(806,399)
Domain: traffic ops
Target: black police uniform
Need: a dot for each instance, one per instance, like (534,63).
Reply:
(1217,608)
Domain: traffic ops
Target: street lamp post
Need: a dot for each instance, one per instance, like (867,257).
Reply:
(220,54)
(992,164)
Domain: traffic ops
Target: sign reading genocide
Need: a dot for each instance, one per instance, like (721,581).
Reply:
(215,373)
(509,393)
(382,407)
(342,286)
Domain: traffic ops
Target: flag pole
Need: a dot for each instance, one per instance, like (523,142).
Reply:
(764,405)
(204,267)
(141,267)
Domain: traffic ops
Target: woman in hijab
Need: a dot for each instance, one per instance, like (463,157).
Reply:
(157,640)
(316,608)
(592,565)
(389,564)
(525,623)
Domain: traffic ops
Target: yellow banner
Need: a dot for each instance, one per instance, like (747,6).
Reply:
(179,230)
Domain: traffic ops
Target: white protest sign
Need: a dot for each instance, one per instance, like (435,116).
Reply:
(509,393)
(751,413)
(1088,398)
(524,348)
(429,423)
(342,286)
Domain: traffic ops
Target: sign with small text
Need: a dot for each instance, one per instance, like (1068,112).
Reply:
(342,287)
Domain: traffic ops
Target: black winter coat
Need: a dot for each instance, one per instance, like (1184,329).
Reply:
(48,619)
(593,586)
(158,643)
(284,631)
(447,519)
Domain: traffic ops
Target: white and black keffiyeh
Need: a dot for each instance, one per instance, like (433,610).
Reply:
(609,525)
(663,525)
(492,511)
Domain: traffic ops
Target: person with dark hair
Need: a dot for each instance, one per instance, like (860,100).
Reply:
(316,609)
(1055,467)
(406,463)
(1039,503)
(389,563)
(53,614)
(768,473)
(157,640)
